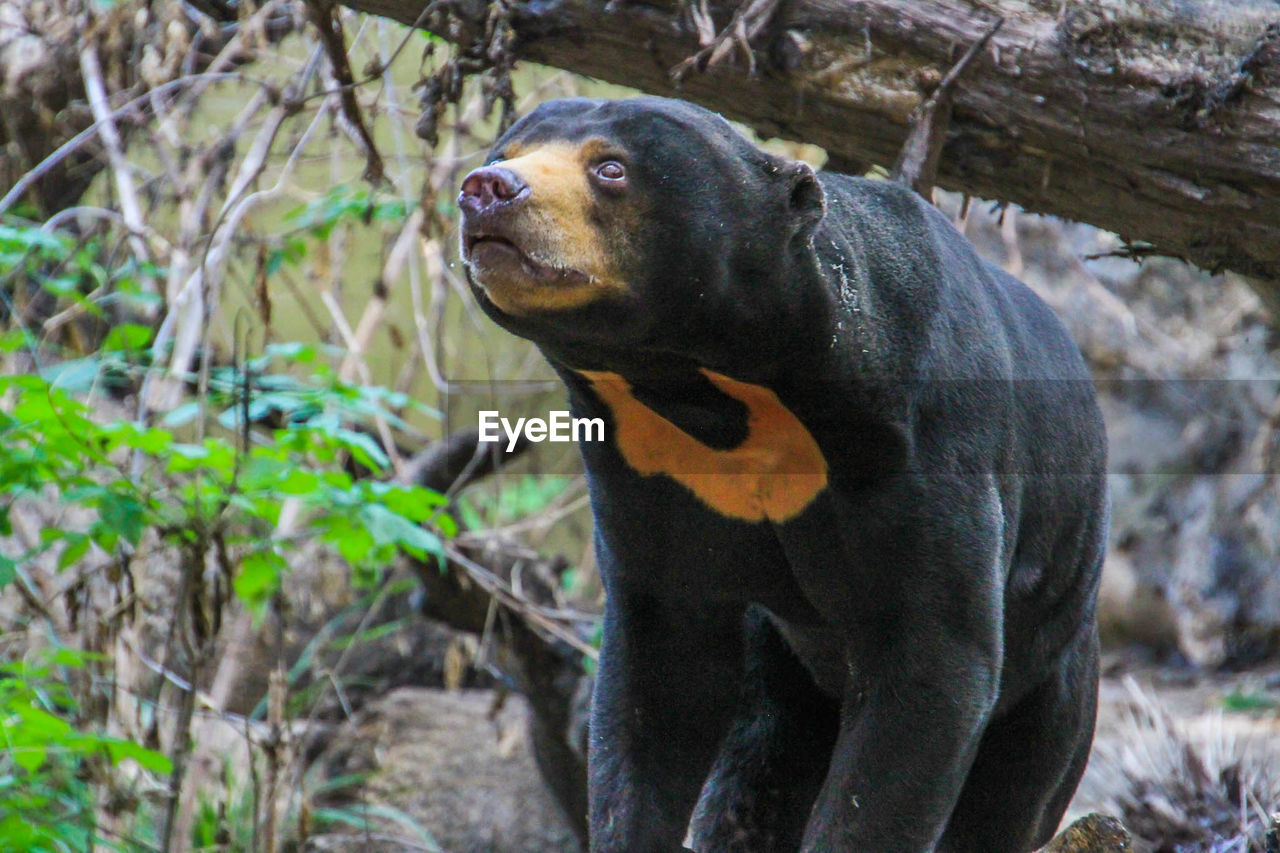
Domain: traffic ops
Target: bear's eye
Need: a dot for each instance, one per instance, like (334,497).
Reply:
(611,170)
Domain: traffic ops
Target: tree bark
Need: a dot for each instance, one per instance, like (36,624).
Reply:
(1158,121)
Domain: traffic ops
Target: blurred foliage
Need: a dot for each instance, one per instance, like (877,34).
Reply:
(520,497)
(1249,700)
(48,762)
(133,479)
(209,478)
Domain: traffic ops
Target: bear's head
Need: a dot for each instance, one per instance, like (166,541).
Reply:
(644,224)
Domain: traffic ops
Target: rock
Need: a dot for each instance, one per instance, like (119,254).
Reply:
(1189,383)
(455,764)
(1093,833)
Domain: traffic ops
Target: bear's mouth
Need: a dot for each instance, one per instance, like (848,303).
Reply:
(494,256)
(487,241)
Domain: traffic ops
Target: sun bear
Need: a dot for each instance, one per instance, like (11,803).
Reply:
(850,508)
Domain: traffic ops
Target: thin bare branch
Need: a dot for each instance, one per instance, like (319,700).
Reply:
(75,143)
(917,164)
(325,16)
(130,210)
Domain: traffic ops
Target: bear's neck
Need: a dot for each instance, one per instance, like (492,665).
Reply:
(808,322)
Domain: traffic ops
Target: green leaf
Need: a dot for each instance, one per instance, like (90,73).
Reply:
(470,514)
(40,725)
(123,513)
(366,450)
(29,758)
(141,300)
(149,440)
(221,458)
(50,244)
(298,481)
(63,285)
(127,337)
(388,528)
(104,537)
(15,339)
(183,414)
(75,658)
(414,503)
(213,456)
(446,524)
(259,576)
(77,546)
(147,759)
(519,497)
(77,375)
(293,351)
(18,833)
(354,543)
(1240,701)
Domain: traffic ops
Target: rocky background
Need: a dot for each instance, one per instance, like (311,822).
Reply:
(1187,372)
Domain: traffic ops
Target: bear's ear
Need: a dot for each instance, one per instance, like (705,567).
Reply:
(807,202)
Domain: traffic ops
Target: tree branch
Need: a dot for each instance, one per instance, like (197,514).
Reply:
(1158,122)
(130,209)
(917,164)
(329,26)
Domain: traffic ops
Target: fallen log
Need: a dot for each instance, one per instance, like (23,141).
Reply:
(1158,121)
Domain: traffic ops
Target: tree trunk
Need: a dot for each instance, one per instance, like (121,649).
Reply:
(1158,121)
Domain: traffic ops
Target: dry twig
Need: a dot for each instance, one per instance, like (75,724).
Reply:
(917,164)
(749,19)
(130,210)
(326,18)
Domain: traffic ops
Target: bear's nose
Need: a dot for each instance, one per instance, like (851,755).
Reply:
(488,187)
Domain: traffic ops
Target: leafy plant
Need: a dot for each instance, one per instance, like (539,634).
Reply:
(135,478)
(220,497)
(47,761)
(341,204)
(75,270)
(185,508)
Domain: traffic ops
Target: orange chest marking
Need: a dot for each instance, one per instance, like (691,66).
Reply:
(774,474)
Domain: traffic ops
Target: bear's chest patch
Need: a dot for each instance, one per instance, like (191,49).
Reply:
(773,474)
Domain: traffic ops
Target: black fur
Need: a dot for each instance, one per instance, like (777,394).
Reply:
(909,663)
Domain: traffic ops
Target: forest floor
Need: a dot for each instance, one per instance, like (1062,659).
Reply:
(459,763)
(1152,719)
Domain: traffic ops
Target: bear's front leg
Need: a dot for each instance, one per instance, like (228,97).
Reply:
(908,735)
(918,611)
(773,760)
(665,690)
(905,744)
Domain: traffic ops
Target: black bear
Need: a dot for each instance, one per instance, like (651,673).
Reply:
(850,507)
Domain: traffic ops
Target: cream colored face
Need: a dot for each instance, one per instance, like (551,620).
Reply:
(555,250)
